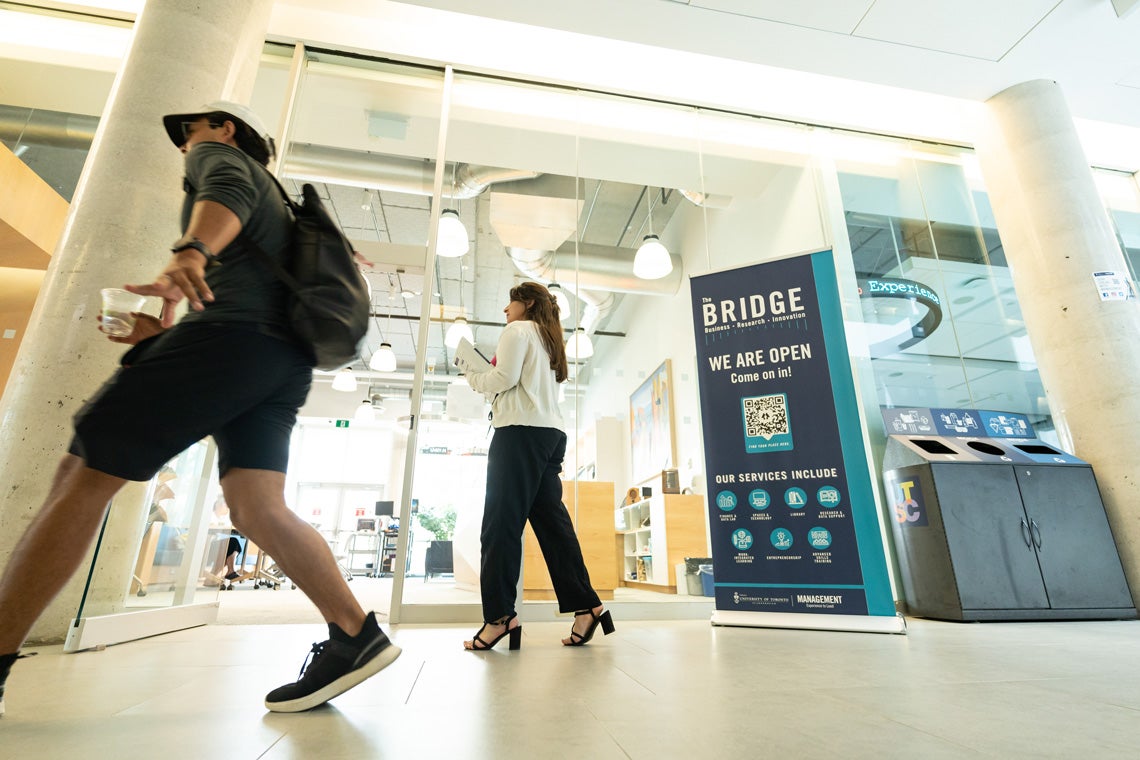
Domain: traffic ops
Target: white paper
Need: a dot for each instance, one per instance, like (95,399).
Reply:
(468,358)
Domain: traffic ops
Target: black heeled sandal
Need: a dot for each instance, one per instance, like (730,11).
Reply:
(580,639)
(514,644)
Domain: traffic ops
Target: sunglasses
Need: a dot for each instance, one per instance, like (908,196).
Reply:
(188,128)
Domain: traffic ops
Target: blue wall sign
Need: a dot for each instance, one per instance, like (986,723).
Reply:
(782,435)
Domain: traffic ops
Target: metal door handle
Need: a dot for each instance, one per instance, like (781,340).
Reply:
(1035,529)
(1025,533)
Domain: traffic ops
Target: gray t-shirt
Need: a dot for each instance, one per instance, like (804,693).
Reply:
(245,290)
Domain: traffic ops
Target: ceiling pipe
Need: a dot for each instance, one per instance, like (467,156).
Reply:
(597,267)
(307,162)
(706,199)
(374,171)
(53,129)
(313,163)
(538,266)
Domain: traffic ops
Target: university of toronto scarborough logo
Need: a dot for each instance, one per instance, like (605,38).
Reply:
(906,497)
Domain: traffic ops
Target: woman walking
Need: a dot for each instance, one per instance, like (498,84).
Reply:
(523,465)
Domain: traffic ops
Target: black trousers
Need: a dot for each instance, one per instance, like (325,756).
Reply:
(522,484)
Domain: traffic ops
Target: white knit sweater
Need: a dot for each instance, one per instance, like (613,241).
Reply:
(523,380)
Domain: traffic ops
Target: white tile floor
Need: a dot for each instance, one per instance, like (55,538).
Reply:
(653,690)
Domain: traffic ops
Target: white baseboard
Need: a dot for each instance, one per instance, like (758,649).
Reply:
(87,633)
(854,623)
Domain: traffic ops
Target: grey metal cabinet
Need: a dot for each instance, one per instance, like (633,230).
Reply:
(1070,533)
(1007,542)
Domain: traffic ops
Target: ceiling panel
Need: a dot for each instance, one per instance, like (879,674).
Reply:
(827,15)
(975,28)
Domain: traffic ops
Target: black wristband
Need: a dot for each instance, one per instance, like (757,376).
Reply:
(200,247)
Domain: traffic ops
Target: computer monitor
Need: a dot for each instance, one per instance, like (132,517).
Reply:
(365,525)
(385,508)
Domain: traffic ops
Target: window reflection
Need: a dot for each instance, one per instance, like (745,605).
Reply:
(941,315)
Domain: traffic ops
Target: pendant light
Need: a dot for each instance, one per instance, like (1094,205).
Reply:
(579,346)
(452,240)
(364,412)
(458,331)
(384,358)
(652,261)
(344,381)
(561,299)
(459,328)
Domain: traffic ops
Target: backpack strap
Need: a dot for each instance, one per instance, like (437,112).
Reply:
(273,265)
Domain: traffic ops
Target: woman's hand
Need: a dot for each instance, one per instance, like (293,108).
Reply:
(145,327)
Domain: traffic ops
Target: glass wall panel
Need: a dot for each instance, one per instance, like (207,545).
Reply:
(509,181)
(365,134)
(917,217)
(1121,195)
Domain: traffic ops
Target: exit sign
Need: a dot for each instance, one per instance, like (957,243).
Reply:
(342,423)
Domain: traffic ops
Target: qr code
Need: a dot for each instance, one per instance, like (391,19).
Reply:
(766,416)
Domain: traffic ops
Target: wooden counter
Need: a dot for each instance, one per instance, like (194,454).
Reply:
(595,527)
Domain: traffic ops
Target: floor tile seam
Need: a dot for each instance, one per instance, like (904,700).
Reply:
(918,729)
(927,681)
(628,675)
(601,721)
(415,682)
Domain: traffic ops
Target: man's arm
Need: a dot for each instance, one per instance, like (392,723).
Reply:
(215,226)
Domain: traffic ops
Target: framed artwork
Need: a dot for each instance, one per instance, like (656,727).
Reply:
(651,440)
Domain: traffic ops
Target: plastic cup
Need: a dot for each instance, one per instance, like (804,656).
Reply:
(117,307)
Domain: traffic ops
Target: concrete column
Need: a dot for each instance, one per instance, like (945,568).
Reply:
(1056,233)
(123,217)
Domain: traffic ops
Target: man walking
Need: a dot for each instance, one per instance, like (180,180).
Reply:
(231,369)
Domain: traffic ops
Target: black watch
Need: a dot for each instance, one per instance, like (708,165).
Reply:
(200,247)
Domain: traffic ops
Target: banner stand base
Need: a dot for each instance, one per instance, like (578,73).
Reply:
(852,623)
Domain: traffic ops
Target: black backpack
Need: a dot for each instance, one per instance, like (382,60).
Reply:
(328,306)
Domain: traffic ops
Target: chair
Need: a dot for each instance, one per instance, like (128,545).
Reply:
(439,559)
(260,575)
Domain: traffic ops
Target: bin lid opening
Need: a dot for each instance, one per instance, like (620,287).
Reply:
(1036,448)
(986,448)
(932,447)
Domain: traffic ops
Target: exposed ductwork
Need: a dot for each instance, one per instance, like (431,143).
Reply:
(599,271)
(706,199)
(536,265)
(49,128)
(598,267)
(374,171)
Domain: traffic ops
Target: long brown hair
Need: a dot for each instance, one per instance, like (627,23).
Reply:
(542,309)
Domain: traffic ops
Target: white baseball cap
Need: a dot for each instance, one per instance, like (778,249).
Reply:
(173,122)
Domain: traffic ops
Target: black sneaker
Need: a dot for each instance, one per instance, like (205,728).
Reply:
(337,665)
(6,661)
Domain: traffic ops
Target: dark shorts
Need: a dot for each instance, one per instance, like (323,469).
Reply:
(230,381)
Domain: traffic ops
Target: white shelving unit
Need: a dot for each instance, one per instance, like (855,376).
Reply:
(638,565)
(655,534)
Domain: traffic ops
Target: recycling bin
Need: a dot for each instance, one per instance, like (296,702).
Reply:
(1001,529)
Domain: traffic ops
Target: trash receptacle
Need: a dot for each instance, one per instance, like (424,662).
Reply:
(1000,529)
(693,575)
(707,580)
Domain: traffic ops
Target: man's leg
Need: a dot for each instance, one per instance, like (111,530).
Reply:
(257,509)
(53,547)
(357,648)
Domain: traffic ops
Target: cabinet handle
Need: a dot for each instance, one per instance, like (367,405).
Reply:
(1025,533)
(1036,530)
